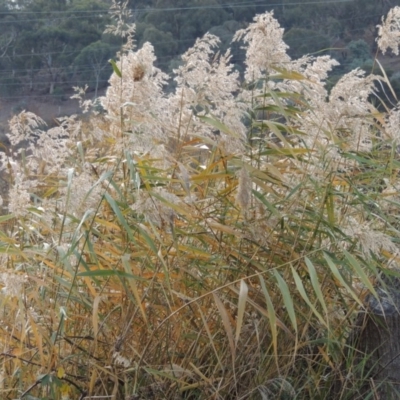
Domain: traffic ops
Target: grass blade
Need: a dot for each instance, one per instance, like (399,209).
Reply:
(336,273)
(132,283)
(272,319)
(244,290)
(218,125)
(227,324)
(315,283)
(106,273)
(287,298)
(360,273)
(119,215)
(303,294)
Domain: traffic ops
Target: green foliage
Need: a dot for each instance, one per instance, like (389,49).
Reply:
(225,33)
(395,82)
(9,86)
(97,56)
(170,26)
(304,41)
(89,29)
(164,44)
(359,54)
(335,28)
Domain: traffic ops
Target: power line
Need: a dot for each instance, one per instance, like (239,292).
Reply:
(92,81)
(4,74)
(19,21)
(159,62)
(14,71)
(116,48)
(48,95)
(62,82)
(246,3)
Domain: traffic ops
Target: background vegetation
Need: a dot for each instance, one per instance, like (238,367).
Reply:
(48,46)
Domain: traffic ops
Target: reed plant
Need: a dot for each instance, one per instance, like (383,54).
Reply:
(216,242)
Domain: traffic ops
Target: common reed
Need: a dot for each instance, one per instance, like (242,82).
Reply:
(215,242)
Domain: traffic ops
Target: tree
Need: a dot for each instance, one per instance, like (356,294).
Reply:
(207,15)
(96,55)
(48,43)
(359,54)
(86,21)
(171,14)
(305,41)
(54,47)
(186,20)
(9,23)
(225,32)
(244,12)
(164,44)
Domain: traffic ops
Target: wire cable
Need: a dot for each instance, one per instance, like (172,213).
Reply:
(246,3)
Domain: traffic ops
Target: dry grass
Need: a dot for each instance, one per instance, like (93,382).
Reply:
(200,273)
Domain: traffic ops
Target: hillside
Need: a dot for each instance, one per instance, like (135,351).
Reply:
(49,46)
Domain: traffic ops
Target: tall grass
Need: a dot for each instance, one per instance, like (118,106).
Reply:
(213,243)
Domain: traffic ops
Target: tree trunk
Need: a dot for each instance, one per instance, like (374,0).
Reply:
(375,345)
(97,74)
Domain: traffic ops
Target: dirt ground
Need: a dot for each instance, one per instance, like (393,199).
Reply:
(46,107)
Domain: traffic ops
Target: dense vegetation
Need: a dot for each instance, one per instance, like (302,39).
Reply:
(48,46)
(215,241)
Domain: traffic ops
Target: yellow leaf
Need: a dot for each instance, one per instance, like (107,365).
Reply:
(223,228)
(65,390)
(60,372)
